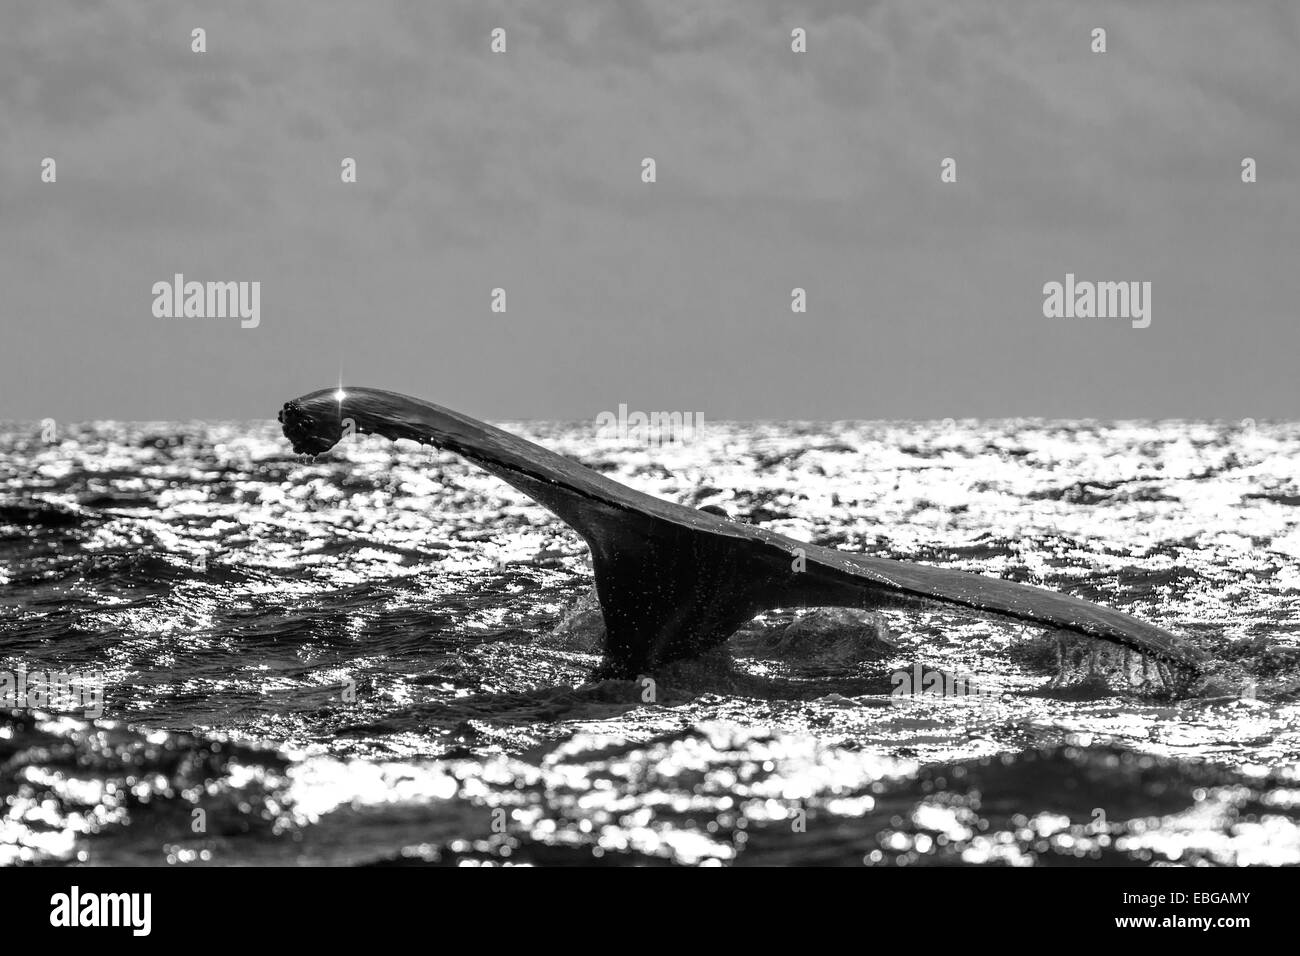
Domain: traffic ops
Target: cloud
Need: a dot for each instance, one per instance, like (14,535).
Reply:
(774,169)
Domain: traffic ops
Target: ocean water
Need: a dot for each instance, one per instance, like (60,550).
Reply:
(381,656)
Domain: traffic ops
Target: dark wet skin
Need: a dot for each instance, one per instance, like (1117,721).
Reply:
(674,582)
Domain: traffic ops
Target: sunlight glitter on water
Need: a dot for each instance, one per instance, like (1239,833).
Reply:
(435,589)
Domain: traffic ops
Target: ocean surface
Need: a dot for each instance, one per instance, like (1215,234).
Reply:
(380,657)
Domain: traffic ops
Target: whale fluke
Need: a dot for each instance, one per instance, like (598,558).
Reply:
(674,581)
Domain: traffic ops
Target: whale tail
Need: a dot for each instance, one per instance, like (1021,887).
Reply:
(674,581)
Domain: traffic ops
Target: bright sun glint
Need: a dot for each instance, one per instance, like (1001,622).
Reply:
(340,394)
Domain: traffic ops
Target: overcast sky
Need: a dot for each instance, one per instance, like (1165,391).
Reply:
(775,170)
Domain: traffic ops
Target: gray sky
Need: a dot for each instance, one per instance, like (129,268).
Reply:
(775,170)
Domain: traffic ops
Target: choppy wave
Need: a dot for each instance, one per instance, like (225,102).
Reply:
(360,659)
